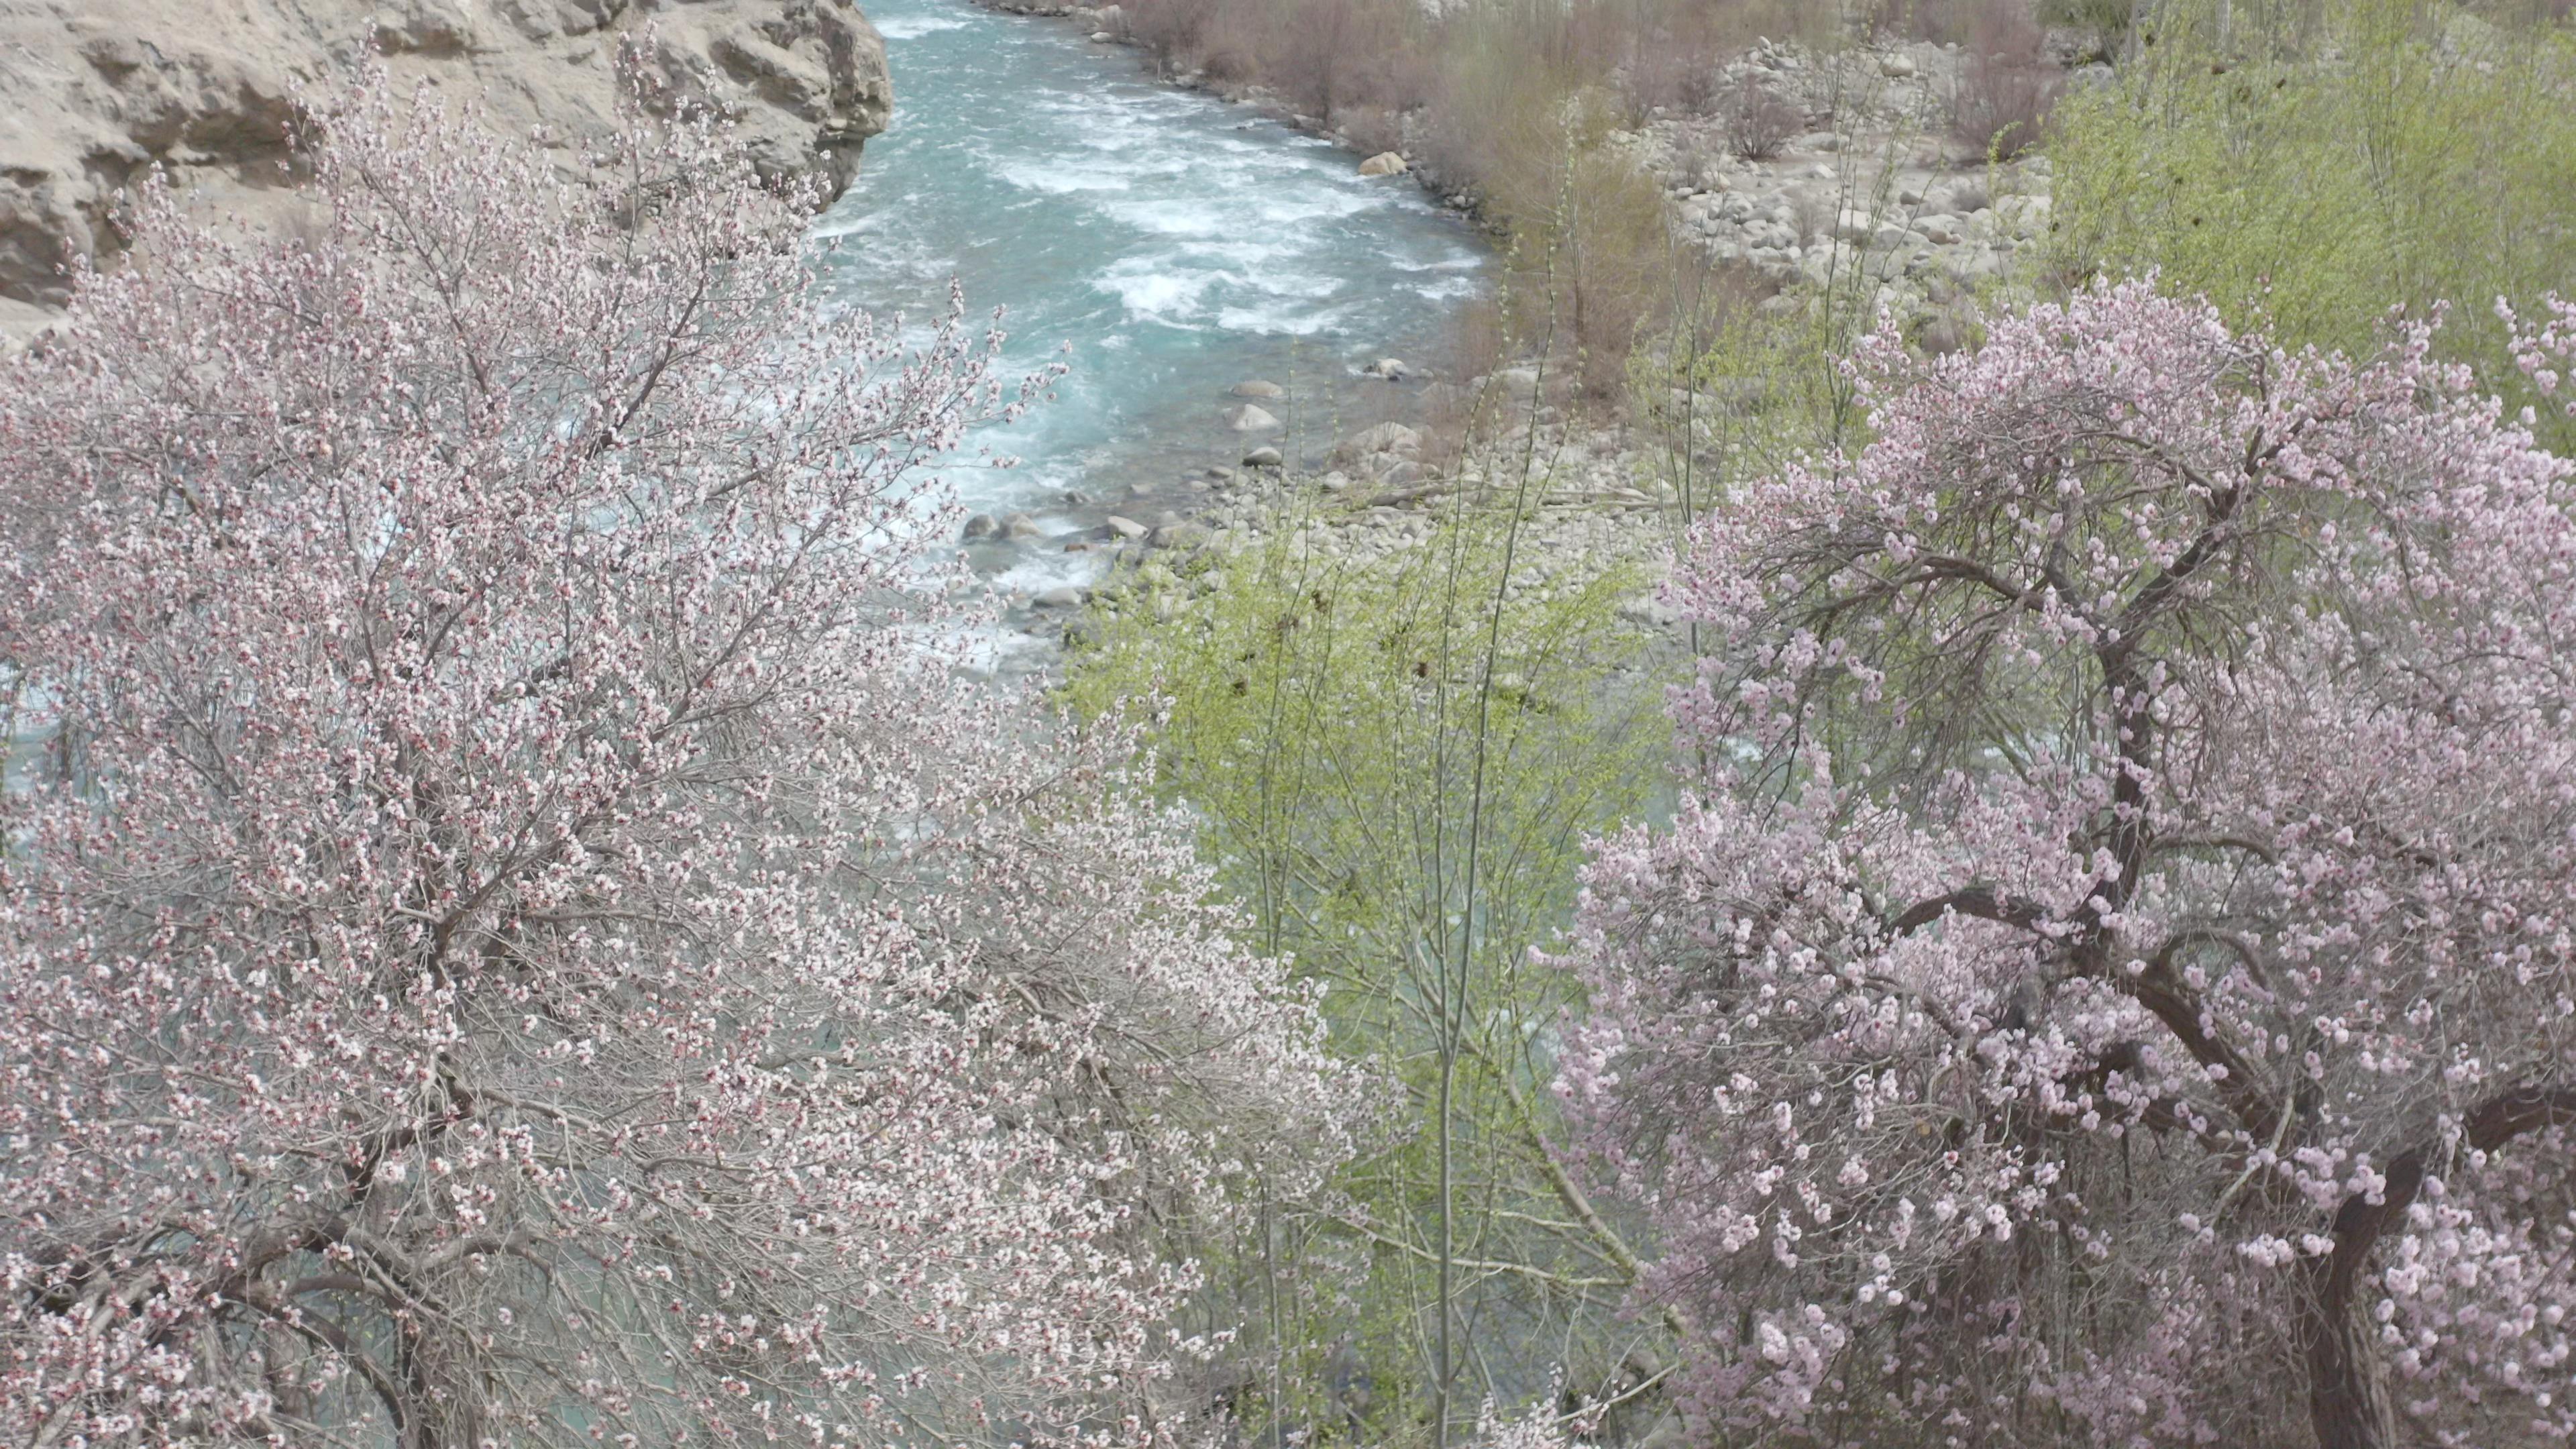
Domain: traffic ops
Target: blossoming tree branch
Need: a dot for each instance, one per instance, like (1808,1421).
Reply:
(2120,963)
(513,932)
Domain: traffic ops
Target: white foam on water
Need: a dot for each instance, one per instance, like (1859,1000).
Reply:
(1177,243)
(1454,289)
(913,27)
(1155,293)
(1057,178)
(1285,321)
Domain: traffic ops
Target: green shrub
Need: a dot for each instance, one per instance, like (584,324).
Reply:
(2387,157)
(1397,763)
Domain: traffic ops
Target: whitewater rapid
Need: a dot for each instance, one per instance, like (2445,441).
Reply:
(1174,244)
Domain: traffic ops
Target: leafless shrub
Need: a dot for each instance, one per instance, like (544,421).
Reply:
(1370,128)
(2008,86)
(1759,121)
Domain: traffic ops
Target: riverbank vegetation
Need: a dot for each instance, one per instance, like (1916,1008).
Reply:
(2041,917)
(2119,1246)
(1395,763)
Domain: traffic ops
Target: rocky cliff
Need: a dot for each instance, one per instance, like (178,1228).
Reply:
(95,92)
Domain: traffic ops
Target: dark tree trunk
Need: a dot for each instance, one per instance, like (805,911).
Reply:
(2348,1396)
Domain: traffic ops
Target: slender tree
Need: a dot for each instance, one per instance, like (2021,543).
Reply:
(2120,973)
(512,930)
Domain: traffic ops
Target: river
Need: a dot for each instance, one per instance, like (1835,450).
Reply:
(1179,245)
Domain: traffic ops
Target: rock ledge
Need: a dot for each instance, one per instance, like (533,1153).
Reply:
(88,104)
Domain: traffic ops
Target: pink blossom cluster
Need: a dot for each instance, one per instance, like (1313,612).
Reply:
(2116,982)
(512,929)
(2546,350)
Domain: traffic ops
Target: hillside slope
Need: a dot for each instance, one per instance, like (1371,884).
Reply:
(93,93)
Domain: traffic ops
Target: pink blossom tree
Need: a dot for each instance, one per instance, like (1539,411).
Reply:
(2117,980)
(512,930)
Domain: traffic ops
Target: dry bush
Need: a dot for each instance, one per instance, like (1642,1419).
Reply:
(1170,29)
(1368,127)
(2007,86)
(1943,22)
(1759,120)
(1595,270)
(1324,55)
(1496,120)
(1698,159)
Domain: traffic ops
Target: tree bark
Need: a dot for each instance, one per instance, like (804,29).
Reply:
(2348,1395)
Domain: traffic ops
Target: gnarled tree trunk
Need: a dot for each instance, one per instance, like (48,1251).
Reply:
(2348,1397)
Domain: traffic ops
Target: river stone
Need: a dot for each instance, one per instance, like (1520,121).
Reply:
(1019,525)
(1125,527)
(1384,438)
(981,526)
(1384,163)
(1059,598)
(1896,67)
(1251,419)
(1261,458)
(1258,388)
(1390,368)
(1183,536)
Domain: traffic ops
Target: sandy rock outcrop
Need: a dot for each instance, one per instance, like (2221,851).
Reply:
(93,93)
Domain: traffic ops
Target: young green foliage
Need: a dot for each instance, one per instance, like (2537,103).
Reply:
(2311,177)
(1397,760)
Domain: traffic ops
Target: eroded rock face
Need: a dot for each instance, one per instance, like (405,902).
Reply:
(93,93)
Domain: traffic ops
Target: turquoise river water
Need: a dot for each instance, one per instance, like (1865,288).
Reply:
(1176,243)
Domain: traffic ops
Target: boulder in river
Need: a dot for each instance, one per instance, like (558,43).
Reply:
(1263,458)
(1182,536)
(1257,388)
(1060,598)
(1384,163)
(1019,525)
(1251,419)
(981,526)
(1390,368)
(1126,527)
